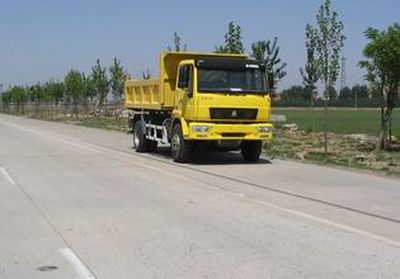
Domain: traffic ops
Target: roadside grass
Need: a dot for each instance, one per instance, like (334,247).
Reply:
(109,123)
(340,120)
(102,122)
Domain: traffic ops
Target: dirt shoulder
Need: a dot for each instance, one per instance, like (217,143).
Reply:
(354,150)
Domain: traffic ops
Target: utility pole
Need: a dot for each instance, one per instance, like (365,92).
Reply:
(342,74)
(1,96)
(355,99)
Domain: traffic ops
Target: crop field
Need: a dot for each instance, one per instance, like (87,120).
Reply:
(341,121)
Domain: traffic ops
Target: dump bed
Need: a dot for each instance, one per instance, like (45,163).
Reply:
(146,94)
(159,94)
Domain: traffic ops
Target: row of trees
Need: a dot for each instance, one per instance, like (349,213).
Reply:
(100,87)
(302,93)
(97,88)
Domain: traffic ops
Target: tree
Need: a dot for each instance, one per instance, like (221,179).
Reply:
(5,101)
(267,53)
(100,83)
(117,79)
(310,73)
(73,89)
(87,90)
(295,93)
(329,39)
(375,91)
(54,91)
(383,67)
(146,75)
(177,44)
(233,40)
(346,94)
(258,51)
(359,92)
(36,95)
(19,97)
(332,93)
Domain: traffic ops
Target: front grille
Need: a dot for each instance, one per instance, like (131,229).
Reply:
(233,113)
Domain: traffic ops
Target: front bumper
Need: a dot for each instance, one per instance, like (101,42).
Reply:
(217,131)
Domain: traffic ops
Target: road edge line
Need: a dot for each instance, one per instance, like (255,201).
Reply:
(80,268)
(7,175)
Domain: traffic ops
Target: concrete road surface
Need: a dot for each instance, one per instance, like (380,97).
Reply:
(77,202)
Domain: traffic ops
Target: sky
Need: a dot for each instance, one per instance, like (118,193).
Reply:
(43,39)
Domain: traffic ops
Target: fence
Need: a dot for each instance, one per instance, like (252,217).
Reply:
(51,110)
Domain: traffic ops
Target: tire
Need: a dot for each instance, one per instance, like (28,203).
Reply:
(139,140)
(180,148)
(251,150)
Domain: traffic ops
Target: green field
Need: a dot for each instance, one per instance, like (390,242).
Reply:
(343,121)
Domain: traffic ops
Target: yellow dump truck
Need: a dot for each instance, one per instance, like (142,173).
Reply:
(201,101)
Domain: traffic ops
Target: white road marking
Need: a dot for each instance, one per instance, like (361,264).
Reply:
(7,176)
(331,223)
(79,266)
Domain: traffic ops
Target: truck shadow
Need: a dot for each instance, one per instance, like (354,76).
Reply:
(210,158)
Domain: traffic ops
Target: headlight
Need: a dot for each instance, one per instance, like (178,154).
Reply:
(266,129)
(200,128)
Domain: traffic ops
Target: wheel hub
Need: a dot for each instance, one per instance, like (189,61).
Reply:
(175,143)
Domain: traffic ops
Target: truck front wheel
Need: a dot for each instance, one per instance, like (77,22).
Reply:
(251,150)
(180,148)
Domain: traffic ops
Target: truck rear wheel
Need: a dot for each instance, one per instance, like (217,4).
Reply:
(140,142)
(180,148)
(251,150)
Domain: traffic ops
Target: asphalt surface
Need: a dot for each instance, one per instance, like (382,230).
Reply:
(78,202)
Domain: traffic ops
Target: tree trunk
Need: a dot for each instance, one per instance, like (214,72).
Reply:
(390,130)
(326,125)
(382,141)
(382,92)
(312,97)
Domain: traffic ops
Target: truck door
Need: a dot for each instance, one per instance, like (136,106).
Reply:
(184,104)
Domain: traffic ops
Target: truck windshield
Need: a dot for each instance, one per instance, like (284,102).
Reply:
(249,80)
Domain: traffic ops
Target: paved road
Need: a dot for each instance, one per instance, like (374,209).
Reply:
(79,203)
